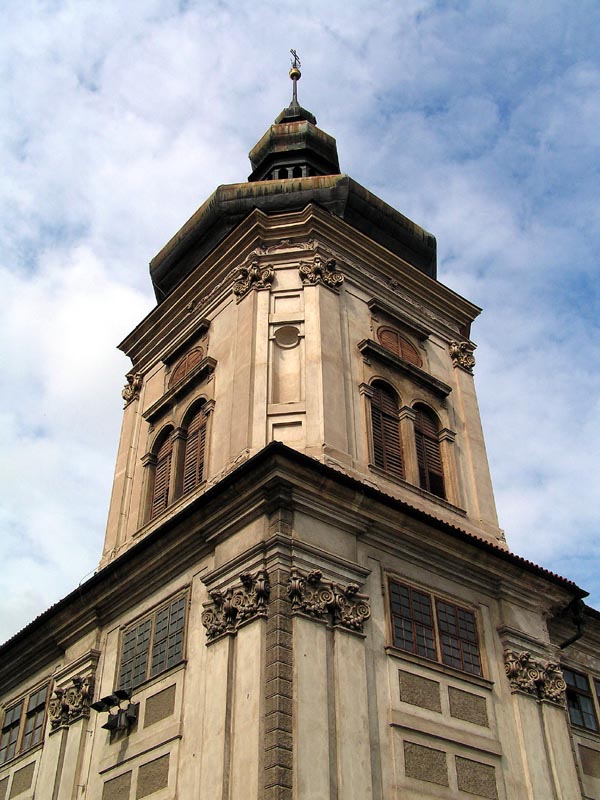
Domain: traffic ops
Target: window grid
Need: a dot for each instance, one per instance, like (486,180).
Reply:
(23,725)
(451,631)
(580,700)
(153,645)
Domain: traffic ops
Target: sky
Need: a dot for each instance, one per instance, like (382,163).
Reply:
(477,120)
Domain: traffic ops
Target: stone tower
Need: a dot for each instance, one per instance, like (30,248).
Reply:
(304,592)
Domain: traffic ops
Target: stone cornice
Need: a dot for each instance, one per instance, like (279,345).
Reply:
(196,376)
(371,349)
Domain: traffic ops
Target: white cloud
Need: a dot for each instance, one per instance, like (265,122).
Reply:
(118,120)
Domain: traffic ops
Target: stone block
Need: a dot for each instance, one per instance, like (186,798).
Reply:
(159,706)
(278,686)
(476,778)
(279,638)
(279,670)
(425,763)
(278,793)
(468,706)
(278,757)
(117,788)
(278,721)
(153,776)
(279,703)
(419,691)
(278,776)
(276,738)
(22,780)
(590,762)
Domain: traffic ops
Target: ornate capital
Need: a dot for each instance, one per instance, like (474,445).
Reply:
(241,602)
(251,276)
(343,607)
(461,354)
(541,679)
(320,271)
(131,390)
(70,703)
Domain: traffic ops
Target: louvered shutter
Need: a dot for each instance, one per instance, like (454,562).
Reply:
(387,448)
(429,458)
(195,446)
(187,363)
(392,341)
(162,475)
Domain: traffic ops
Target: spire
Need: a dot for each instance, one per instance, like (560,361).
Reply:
(294,147)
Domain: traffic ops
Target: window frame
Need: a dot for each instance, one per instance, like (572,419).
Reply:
(151,616)
(20,723)
(423,450)
(573,690)
(439,646)
(382,419)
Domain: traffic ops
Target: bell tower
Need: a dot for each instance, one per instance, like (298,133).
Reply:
(300,308)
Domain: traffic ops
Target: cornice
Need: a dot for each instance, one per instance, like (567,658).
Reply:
(371,349)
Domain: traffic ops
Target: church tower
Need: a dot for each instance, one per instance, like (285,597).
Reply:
(304,593)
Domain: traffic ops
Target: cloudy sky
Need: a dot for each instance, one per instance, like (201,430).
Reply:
(478,120)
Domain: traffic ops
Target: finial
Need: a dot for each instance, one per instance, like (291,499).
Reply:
(295,75)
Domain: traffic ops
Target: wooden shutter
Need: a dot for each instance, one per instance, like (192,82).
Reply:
(397,344)
(162,477)
(429,458)
(387,448)
(195,447)
(185,365)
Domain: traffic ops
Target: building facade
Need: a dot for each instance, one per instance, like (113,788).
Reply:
(304,592)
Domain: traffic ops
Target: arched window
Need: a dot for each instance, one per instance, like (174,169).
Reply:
(195,449)
(397,344)
(387,447)
(429,458)
(159,497)
(186,364)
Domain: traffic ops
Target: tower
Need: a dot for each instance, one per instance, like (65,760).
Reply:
(304,591)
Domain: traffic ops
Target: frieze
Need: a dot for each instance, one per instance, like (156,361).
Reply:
(237,604)
(320,271)
(70,703)
(541,679)
(461,354)
(131,390)
(330,602)
(251,276)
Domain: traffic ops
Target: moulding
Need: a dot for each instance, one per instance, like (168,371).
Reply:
(372,349)
(200,373)
(197,332)
(419,331)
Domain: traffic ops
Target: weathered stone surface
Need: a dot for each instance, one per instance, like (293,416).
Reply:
(468,706)
(159,706)
(117,788)
(3,788)
(590,761)
(425,763)
(419,691)
(476,778)
(22,780)
(152,776)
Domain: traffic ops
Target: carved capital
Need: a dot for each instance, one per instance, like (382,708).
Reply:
(131,390)
(462,356)
(71,702)
(330,602)
(541,679)
(228,608)
(320,271)
(251,276)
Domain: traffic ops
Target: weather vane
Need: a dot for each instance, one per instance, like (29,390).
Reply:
(295,75)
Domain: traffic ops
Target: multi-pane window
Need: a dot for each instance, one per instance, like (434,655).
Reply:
(195,447)
(429,458)
(23,725)
(153,644)
(387,446)
(580,701)
(434,628)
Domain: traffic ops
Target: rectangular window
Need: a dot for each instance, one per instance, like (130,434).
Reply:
(23,725)
(434,628)
(580,701)
(153,645)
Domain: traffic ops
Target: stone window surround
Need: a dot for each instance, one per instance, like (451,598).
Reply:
(447,437)
(178,437)
(185,593)
(594,683)
(437,665)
